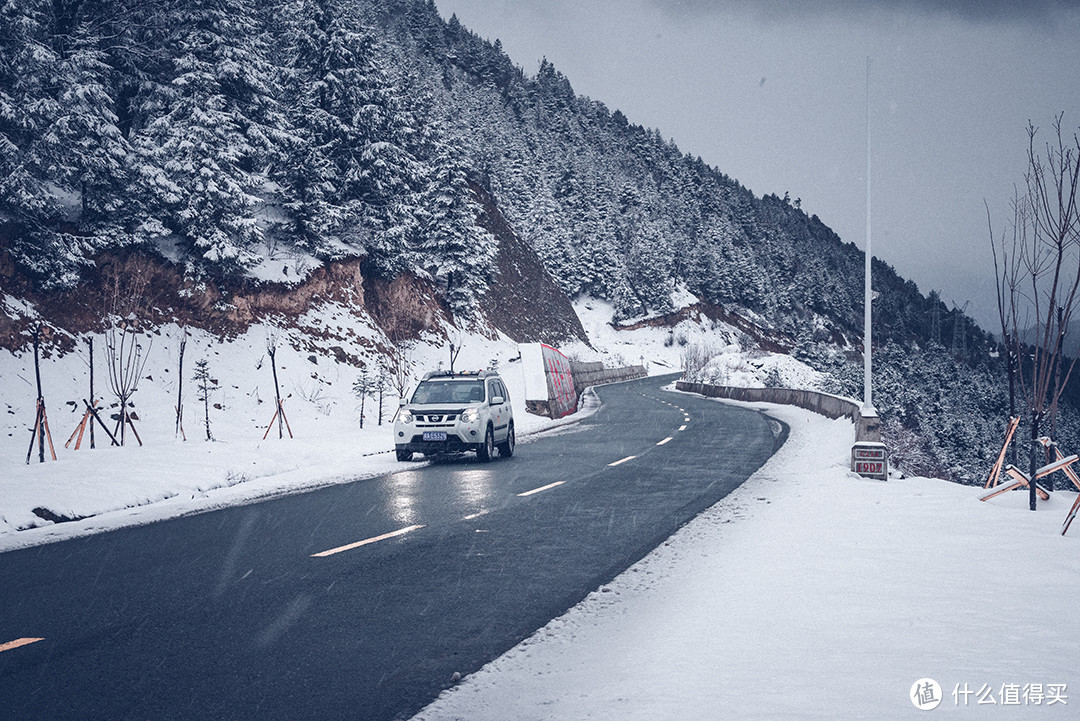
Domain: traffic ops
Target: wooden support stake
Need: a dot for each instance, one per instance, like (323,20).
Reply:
(1072,514)
(285,418)
(82,429)
(1021,476)
(48,433)
(272,420)
(93,411)
(1020,479)
(131,423)
(41,434)
(279,416)
(78,430)
(34,434)
(995,473)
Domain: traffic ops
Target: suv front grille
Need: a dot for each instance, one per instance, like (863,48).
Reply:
(436,418)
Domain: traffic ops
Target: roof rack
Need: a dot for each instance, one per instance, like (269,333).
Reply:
(459,374)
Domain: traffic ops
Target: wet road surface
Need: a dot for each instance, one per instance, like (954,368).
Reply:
(361,601)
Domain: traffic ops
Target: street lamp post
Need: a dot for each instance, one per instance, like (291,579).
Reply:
(869,456)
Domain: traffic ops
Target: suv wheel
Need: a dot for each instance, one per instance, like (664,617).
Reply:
(486,451)
(506,448)
(404,455)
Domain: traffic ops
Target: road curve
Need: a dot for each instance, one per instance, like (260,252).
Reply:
(361,601)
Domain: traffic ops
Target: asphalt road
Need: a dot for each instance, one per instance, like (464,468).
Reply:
(232,615)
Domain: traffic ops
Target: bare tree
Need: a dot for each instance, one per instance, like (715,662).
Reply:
(279,412)
(401,364)
(127,359)
(128,303)
(1039,278)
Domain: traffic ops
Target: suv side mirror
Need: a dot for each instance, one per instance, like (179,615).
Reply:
(497,400)
(402,402)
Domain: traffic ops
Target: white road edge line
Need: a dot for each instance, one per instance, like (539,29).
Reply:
(620,462)
(541,489)
(365,542)
(665,440)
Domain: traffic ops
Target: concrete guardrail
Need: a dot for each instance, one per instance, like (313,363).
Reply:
(827,405)
(594,374)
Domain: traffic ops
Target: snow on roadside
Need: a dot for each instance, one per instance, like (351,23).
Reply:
(810,593)
(106,488)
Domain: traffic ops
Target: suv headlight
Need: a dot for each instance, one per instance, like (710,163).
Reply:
(471,415)
(405,416)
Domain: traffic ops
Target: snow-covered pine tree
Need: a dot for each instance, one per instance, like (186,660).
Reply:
(321,66)
(204,387)
(28,109)
(212,134)
(362,387)
(459,253)
(391,171)
(90,153)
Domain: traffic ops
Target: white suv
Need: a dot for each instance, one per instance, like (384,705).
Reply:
(455,412)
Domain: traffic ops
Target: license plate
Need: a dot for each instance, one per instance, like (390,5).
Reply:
(434,435)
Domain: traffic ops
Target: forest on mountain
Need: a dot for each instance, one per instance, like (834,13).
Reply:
(222,133)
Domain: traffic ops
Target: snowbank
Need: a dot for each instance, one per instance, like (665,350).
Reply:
(813,593)
(94,490)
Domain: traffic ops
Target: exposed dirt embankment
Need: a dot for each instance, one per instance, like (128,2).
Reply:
(153,291)
(525,302)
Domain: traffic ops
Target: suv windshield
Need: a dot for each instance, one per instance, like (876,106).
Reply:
(449,391)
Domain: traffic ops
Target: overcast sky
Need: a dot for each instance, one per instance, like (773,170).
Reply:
(773,93)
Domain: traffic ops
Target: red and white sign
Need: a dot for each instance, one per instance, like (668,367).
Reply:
(870,459)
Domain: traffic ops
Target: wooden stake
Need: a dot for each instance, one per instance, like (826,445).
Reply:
(995,473)
(93,411)
(132,424)
(279,417)
(1072,514)
(41,434)
(34,435)
(1020,480)
(48,433)
(79,430)
(286,419)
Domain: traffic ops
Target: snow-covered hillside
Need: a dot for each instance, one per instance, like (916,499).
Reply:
(167,476)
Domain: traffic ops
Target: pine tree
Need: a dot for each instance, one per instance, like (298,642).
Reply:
(217,125)
(89,152)
(321,75)
(460,253)
(363,387)
(205,387)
